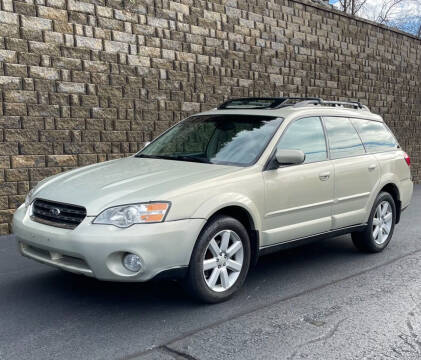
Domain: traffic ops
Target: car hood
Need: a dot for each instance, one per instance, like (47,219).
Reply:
(124,181)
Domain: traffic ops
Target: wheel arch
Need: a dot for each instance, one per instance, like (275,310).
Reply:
(239,207)
(393,190)
(244,217)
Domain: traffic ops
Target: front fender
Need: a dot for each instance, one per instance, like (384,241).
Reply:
(216,203)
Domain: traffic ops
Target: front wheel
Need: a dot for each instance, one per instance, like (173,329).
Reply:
(381,225)
(220,260)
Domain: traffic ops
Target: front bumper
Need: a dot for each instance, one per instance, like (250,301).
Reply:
(97,250)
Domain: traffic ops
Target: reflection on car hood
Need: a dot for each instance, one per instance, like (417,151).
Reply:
(124,181)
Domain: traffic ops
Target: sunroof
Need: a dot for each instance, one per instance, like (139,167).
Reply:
(252,103)
(262,103)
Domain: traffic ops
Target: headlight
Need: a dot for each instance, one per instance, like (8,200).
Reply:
(28,199)
(127,215)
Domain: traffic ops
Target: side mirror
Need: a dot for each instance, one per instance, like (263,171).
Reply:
(289,157)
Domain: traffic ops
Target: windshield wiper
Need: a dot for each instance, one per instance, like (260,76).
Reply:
(177,157)
(190,158)
(154,156)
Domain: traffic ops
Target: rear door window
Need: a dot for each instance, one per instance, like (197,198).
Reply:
(375,135)
(343,138)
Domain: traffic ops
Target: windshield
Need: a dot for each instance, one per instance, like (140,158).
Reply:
(216,139)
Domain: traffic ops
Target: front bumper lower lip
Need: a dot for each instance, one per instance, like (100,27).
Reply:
(64,262)
(97,250)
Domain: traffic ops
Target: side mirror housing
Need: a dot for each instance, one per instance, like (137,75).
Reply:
(289,157)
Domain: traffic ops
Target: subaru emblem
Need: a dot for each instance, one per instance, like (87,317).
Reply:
(55,211)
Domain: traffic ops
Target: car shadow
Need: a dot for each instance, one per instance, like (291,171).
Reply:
(270,270)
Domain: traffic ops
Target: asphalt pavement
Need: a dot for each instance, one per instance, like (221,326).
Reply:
(320,301)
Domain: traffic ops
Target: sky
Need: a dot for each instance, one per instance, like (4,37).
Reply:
(406,16)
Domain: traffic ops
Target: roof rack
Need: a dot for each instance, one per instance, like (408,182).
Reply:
(352,104)
(276,103)
(263,102)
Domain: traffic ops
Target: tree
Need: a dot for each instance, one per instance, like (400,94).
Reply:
(404,15)
(386,11)
(351,7)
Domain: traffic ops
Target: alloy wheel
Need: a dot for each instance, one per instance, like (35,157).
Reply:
(223,260)
(382,222)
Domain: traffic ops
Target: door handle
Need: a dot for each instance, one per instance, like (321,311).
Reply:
(372,167)
(324,176)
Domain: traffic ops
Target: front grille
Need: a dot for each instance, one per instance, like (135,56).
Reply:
(57,214)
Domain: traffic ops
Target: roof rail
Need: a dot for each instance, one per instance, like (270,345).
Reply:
(262,102)
(276,103)
(352,104)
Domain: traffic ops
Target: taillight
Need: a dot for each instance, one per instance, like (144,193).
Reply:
(407,159)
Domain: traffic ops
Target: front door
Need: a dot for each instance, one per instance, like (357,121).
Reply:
(299,198)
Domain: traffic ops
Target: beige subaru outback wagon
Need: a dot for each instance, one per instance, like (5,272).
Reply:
(210,195)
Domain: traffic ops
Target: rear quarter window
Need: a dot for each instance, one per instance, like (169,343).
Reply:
(375,135)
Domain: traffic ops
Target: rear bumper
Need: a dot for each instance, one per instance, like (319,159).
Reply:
(406,190)
(97,250)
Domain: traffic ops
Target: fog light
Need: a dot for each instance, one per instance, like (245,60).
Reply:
(132,262)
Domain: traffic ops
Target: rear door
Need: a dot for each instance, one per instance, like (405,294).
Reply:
(298,198)
(356,172)
(378,140)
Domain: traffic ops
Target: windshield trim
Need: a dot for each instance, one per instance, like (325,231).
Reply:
(216,162)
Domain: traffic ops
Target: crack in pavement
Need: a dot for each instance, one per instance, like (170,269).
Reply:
(323,338)
(178,353)
(412,333)
(411,340)
(267,305)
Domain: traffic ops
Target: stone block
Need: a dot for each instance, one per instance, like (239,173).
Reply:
(8,56)
(36,23)
(96,66)
(15,109)
(61,160)
(104,113)
(178,7)
(9,18)
(71,87)
(28,161)
(138,60)
(81,6)
(51,13)
(43,110)
(20,96)
(44,73)
(89,43)
(9,30)
(16,70)
(116,47)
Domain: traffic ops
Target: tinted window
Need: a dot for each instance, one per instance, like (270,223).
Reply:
(376,137)
(215,139)
(343,138)
(306,135)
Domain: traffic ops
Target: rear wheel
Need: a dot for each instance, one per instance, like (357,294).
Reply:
(220,260)
(381,225)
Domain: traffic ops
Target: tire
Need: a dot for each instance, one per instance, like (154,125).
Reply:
(224,277)
(367,240)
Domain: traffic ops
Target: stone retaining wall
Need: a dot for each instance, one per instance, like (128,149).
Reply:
(87,81)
